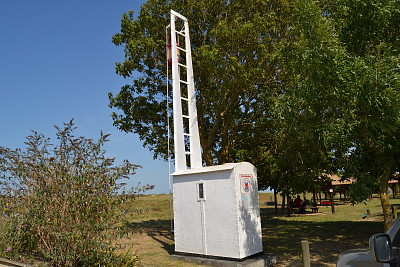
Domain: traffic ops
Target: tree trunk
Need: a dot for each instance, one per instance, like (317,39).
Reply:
(398,185)
(289,207)
(208,158)
(387,211)
(276,201)
(283,202)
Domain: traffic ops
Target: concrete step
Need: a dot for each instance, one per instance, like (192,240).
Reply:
(260,260)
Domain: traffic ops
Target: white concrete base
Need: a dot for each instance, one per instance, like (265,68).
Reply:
(259,260)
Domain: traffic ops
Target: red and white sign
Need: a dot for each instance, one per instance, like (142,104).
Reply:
(245,180)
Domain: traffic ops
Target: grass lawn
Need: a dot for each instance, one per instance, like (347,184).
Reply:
(146,229)
(329,234)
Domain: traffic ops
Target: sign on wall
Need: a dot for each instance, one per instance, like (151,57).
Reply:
(246,189)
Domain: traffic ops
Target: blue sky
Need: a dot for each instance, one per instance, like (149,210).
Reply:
(57,63)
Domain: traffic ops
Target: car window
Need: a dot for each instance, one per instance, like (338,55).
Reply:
(394,232)
(396,240)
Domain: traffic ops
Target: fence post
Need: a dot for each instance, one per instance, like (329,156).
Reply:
(305,249)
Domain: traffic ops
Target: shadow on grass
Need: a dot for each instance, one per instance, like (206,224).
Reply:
(158,230)
(149,226)
(282,236)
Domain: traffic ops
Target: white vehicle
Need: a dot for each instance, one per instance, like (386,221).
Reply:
(383,251)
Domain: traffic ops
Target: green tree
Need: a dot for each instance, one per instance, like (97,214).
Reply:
(370,32)
(234,58)
(297,88)
(314,106)
(307,119)
(342,83)
(260,70)
(58,200)
(375,150)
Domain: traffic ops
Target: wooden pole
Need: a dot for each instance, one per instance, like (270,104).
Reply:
(305,249)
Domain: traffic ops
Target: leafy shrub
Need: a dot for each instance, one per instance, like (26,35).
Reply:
(362,189)
(59,200)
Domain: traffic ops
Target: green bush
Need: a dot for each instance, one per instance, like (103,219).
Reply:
(59,200)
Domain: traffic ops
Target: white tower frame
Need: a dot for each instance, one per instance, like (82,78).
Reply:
(216,208)
(185,143)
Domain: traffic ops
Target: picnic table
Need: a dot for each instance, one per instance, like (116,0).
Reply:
(297,210)
(314,209)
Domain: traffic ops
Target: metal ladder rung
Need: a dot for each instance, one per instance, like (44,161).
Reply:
(181,65)
(185,82)
(181,33)
(180,48)
(186,99)
(186,134)
(188,153)
(186,117)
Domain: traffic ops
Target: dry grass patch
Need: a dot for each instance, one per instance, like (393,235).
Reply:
(146,229)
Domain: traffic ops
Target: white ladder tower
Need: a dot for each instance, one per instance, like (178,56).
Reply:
(186,132)
(216,208)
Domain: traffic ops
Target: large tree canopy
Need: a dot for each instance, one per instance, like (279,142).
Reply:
(307,118)
(234,59)
(296,87)
(370,32)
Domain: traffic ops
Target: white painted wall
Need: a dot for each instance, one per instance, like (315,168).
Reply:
(226,223)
